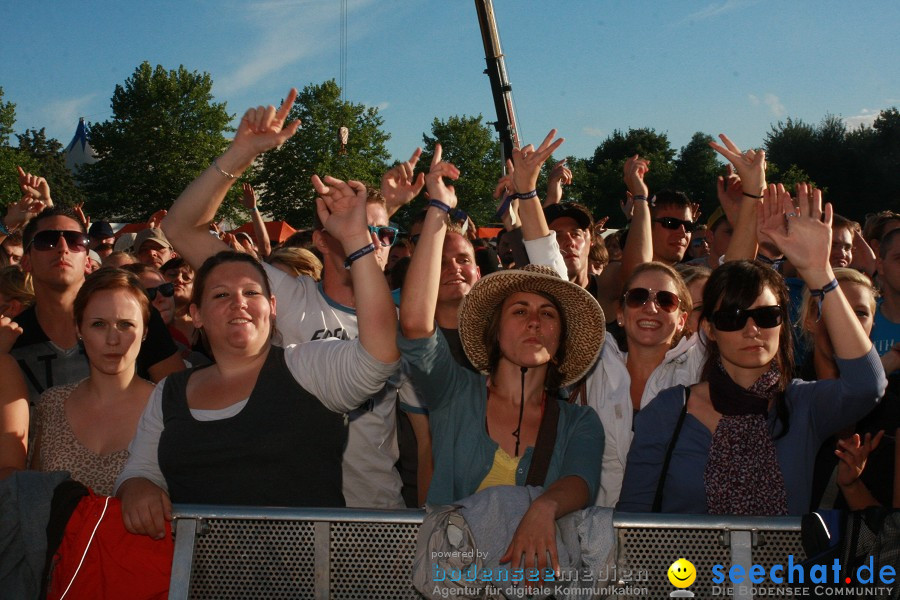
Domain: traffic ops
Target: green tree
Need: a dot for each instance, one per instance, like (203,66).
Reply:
(48,161)
(9,156)
(283,176)
(603,189)
(7,119)
(470,145)
(164,131)
(696,170)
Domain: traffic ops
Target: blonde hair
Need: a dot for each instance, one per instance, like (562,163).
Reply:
(300,261)
(16,285)
(809,306)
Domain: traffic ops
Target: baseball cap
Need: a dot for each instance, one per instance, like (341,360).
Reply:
(573,210)
(150,234)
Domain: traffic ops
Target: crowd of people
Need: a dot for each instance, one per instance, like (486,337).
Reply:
(745,365)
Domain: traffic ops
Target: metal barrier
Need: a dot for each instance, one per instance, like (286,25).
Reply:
(248,552)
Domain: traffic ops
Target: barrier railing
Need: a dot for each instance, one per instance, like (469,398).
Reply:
(248,552)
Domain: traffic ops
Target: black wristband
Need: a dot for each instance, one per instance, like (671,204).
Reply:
(755,197)
(526,195)
(359,254)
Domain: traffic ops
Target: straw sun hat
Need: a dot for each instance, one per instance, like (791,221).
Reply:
(585,324)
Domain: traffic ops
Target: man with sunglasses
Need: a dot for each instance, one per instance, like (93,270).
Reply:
(48,350)
(673,222)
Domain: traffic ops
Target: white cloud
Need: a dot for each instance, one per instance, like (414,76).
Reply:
(593,131)
(715,9)
(380,107)
(62,115)
(865,117)
(770,100)
(775,105)
(278,27)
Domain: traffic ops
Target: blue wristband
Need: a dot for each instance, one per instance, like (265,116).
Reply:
(358,254)
(526,195)
(438,204)
(3,229)
(819,295)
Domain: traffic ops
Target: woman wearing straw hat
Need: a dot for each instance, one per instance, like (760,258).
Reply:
(528,332)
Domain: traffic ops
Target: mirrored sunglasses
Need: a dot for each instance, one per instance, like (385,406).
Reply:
(49,238)
(637,297)
(765,317)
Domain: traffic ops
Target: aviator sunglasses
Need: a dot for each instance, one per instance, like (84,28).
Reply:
(765,317)
(386,235)
(673,223)
(49,238)
(637,297)
(166,289)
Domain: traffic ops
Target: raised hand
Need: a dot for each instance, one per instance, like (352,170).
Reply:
(265,127)
(802,235)
(19,213)
(750,165)
(771,216)
(434,181)
(730,194)
(248,198)
(400,184)
(560,175)
(853,453)
(35,187)
(79,212)
(635,169)
(528,160)
(9,333)
(156,218)
(600,225)
(341,207)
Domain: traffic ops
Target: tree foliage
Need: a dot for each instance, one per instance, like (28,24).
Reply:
(283,176)
(470,145)
(7,119)
(47,160)
(603,189)
(696,170)
(857,169)
(164,131)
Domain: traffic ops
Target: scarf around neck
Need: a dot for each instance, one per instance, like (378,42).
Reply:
(742,475)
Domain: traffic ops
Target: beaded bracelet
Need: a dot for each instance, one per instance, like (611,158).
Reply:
(819,295)
(358,254)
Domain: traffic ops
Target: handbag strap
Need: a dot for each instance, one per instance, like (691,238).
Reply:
(543,447)
(657,500)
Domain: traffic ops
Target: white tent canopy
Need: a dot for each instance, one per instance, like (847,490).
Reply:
(79,151)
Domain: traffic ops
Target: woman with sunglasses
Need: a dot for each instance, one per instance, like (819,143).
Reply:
(743,440)
(85,427)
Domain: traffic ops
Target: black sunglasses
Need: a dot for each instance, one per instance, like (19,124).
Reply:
(765,317)
(673,223)
(386,235)
(637,297)
(166,289)
(49,238)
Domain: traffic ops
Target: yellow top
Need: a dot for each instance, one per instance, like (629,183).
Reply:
(503,471)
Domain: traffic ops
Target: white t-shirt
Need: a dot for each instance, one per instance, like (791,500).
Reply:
(304,314)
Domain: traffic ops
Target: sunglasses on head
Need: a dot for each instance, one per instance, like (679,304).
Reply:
(166,289)
(637,297)
(765,317)
(673,223)
(49,238)
(386,235)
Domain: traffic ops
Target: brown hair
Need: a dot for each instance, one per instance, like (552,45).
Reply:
(736,285)
(223,257)
(111,279)
(492,342)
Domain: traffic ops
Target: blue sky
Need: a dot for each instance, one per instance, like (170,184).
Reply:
(584,67)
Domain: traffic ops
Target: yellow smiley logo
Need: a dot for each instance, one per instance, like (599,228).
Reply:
(682,573)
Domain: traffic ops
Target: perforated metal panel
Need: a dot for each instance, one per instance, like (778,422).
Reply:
(245,559)
(773,547)
(372,560)
(650,551)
